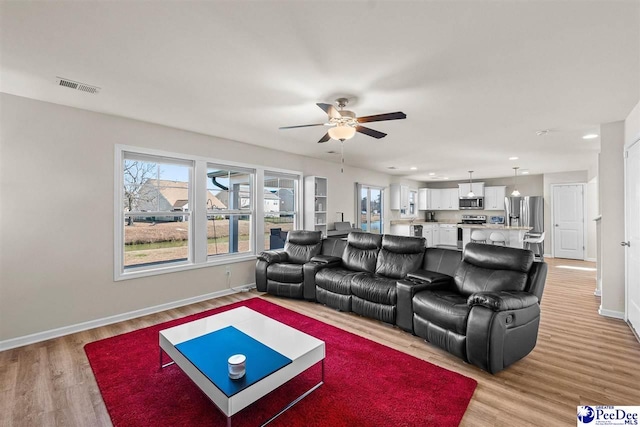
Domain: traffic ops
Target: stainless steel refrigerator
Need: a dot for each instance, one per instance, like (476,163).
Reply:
(527,211)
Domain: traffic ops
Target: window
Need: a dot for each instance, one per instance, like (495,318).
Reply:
(370,205)
(229,210)
(175,212)
(280,201)
(155,199)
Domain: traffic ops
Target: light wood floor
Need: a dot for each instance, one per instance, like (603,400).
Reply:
(581,358)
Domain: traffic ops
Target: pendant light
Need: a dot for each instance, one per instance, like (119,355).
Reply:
(515,192)
(470,193)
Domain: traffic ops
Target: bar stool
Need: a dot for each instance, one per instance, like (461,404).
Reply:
(497,239)
(478,236)
(537,242)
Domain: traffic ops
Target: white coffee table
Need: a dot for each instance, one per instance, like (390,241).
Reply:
(304,351)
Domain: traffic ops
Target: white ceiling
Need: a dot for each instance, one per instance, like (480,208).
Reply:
(476,79)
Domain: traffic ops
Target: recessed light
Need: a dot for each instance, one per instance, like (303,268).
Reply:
(514,158)
(542,132)
(446,177)
(413,168)
(524,172)
(590,136)
(432,174)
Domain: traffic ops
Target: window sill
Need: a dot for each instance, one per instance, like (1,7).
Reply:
(212,262)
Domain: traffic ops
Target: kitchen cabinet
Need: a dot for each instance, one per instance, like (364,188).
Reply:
(444,199)
(477,187)
(424,204)
(399,197)
(401,229)
(494,198)
(431,233)
(404,199)
(315,204)
(448,234)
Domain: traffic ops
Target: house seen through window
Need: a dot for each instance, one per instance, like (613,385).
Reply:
(156,197)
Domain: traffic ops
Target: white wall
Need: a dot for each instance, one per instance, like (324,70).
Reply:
(56,245)
(593,211)
(611,190)
(632,126)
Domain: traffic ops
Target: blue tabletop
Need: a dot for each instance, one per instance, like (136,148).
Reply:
(209,353)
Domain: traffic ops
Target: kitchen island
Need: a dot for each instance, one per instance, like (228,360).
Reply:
(514,236)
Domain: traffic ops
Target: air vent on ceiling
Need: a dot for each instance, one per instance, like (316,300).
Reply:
(71,84)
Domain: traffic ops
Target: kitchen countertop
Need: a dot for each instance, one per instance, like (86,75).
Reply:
(493,227)
(419,221)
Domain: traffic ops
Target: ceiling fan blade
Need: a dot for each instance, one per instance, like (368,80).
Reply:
(301,126)
(381,117)
(325,138)
(370,132)
(330,110)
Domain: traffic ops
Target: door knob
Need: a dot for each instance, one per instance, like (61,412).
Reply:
(557,225)
(625,244)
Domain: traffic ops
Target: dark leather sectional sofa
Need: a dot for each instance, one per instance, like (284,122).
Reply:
(482,306)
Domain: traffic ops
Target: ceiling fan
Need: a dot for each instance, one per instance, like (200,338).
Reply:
(345,124)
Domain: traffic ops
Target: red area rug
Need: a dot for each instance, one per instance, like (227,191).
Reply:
(366,383)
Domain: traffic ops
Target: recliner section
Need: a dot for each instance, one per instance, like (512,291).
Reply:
(488,315)
(281,271)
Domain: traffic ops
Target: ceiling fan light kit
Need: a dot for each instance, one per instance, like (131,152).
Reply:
(342,132)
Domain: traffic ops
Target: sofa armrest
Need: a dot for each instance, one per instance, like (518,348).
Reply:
(310,270)
(411,285)
(502,301)
(273,256)
(432,277)
(326,259)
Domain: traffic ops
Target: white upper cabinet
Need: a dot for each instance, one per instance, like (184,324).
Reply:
(423,199)
(399,197)
(494,198)
(454,198)
(443,199)
(477,187)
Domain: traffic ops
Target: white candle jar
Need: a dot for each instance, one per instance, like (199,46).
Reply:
(237,366)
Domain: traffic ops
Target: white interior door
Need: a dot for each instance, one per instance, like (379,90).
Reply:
(568,221)
(632,234)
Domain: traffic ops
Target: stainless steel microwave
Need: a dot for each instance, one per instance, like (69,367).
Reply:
(471,203)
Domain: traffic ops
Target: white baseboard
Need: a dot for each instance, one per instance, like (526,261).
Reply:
(597,292)
(590,259)
(78,327)
(611,313)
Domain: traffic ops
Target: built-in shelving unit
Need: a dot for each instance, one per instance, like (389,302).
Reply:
(315,204)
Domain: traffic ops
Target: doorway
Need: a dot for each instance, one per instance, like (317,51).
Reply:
(632,236)
(568,226)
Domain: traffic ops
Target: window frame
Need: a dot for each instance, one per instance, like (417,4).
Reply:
(298,198)
(250,212)
(198,256)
